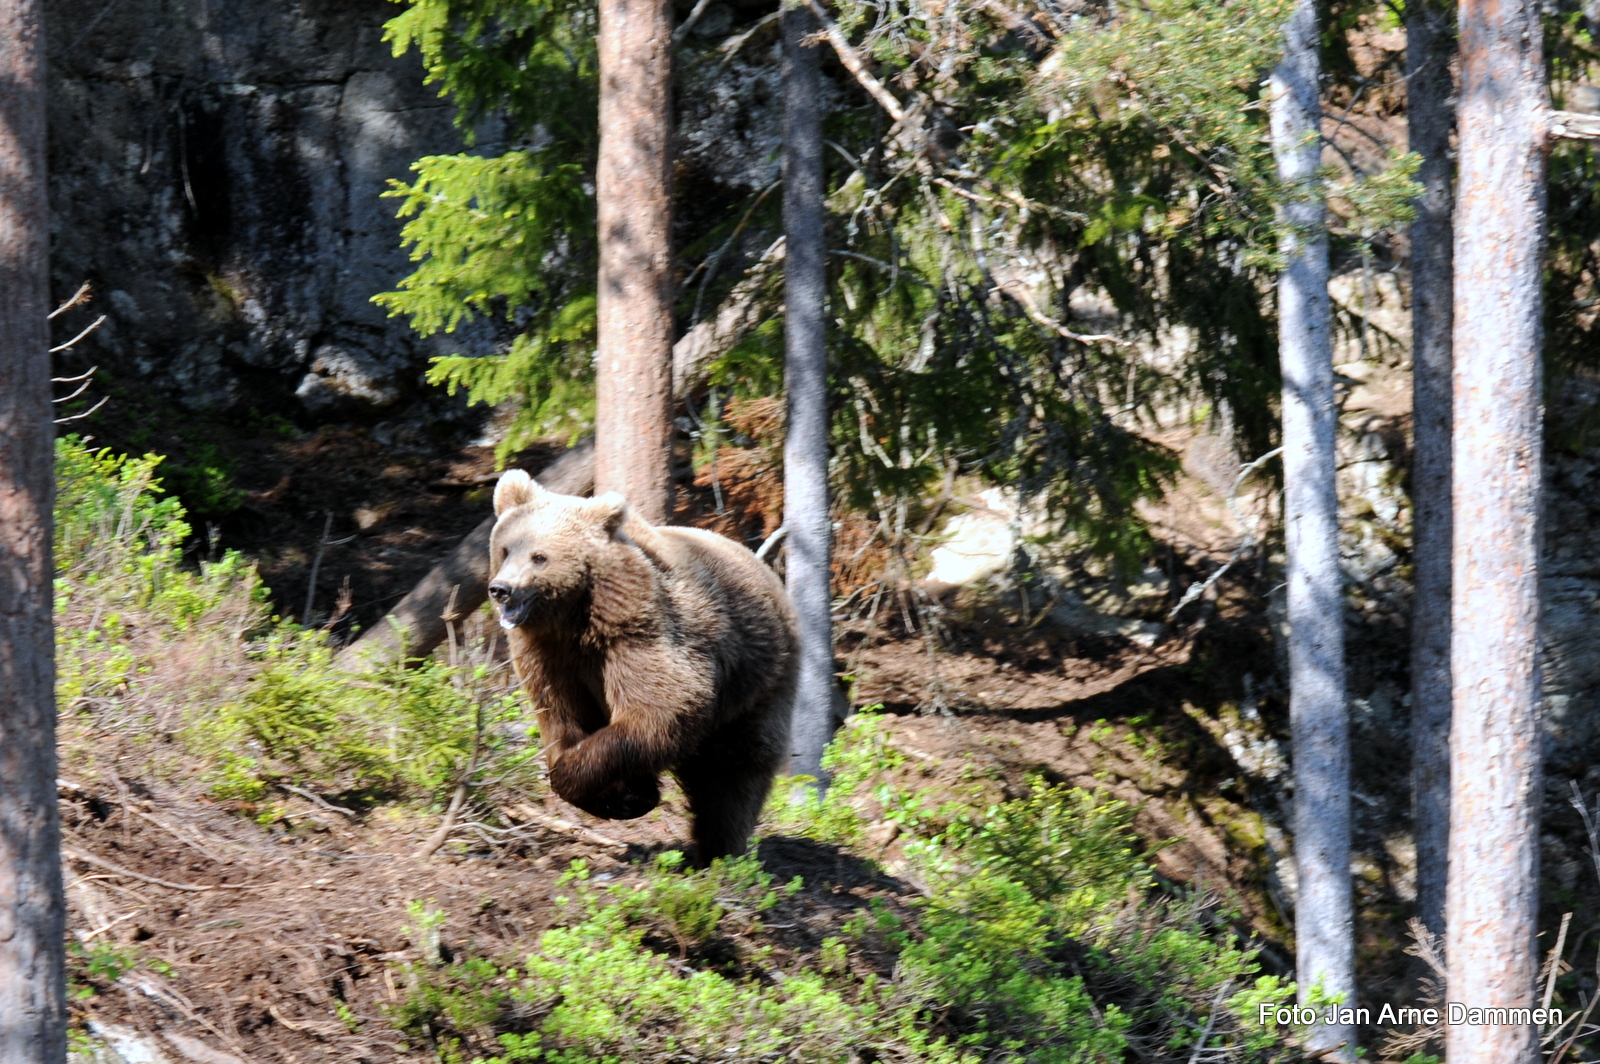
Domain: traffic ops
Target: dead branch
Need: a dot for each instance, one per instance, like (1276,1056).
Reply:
(1572,125)
(80,297)
(100,862)
(853,63)
(86,413)
(91,328)
(525,811)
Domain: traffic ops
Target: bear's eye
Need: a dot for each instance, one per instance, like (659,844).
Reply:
(539,559)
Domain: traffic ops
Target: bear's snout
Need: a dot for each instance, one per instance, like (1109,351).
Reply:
(514,608)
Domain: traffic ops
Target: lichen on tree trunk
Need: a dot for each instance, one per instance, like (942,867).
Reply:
(1325,952)
(1495,741)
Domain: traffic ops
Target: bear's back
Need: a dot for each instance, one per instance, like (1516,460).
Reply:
(729,599)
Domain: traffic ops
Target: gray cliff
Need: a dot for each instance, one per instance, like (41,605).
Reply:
(216,167)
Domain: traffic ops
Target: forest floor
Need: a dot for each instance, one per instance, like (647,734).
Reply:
(236,932)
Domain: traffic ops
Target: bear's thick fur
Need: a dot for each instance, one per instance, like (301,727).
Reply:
(645,650)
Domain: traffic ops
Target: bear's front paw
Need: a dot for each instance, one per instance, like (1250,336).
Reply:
(618,799)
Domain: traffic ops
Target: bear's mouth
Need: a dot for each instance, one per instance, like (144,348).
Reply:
(513,613)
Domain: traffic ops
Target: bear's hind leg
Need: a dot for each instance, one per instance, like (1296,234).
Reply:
(726,784)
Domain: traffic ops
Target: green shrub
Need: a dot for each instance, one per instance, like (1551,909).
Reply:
(124,598)
(1041,937)
(146,638)
(402,731)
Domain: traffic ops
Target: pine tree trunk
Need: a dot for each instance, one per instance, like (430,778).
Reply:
(32,912)
(1325,958)
(633,362)
(1429,119)
(805,449)
(1495,742)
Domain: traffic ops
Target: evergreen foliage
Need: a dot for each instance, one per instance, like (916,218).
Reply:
(512,235)
(1041,938)
(1066,195)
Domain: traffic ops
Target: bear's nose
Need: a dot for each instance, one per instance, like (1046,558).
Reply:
(500,591)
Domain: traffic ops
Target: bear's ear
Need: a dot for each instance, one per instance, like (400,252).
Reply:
(515,488)
(611,509)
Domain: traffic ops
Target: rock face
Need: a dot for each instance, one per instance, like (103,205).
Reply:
(216,168)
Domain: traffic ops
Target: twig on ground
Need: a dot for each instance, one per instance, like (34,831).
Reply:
(100,862)
(317,799)
(175,833)
(527,812)
(87,935)
(431,844)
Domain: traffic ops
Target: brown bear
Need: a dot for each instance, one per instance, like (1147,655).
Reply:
(645,650)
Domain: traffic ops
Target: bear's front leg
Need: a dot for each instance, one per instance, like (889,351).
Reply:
(605,776)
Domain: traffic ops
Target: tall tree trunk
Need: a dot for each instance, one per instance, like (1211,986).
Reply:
(32,912)
(1428,121)
(1495,744)
(805,448)
(1325,951)
(633,368)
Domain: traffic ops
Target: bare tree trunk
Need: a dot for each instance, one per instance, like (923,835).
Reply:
(1495,743)
(805,447)
(1428,119)
(33,1011)
(1325,949)
(633,369)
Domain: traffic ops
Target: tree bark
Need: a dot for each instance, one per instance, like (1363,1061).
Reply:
(1495,743)
(633,362)
(1325,959)
(805,448)
(1429,119)
(32,910)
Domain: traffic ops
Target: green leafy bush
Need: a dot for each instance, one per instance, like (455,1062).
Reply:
(146,637)
(1041,937)
(398,732)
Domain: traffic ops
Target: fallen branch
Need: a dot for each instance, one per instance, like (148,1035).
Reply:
(99,862)
(524,811)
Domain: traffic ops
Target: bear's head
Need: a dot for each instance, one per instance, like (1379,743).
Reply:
(547,548)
